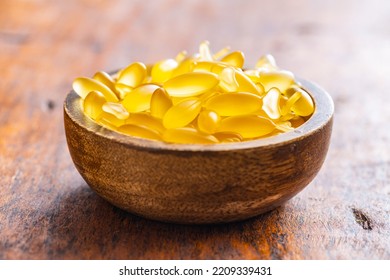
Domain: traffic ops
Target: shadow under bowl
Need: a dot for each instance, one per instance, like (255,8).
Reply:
(197,184)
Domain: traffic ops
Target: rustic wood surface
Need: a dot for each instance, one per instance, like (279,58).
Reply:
(48,212)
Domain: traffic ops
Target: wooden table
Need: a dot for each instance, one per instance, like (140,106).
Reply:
(48,212)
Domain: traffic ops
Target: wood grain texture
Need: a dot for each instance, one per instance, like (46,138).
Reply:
(48,212)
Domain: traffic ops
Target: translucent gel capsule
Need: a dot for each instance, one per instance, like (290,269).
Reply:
(279,79)
(139,131)
(208,121)
(235,59)
(93,103)
(215,67)
(110,120)
(185,66)
(133,75)
(245,83)
(266,62)
(304,106)
(228,80)
(187,135)
(182,113)
(284,126)
(191,84)
(234,104)
(105,79)
(160,103)
(146,120)
(139,99)
(271,103)
(163,70)
(228,136)
(248,126)
(82,86)
(221,53)
(122,89)
(204,51)
(290,102)
(116,109)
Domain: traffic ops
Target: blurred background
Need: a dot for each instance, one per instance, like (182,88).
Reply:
(344,46)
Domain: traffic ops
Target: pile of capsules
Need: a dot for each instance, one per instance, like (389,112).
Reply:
(201,99)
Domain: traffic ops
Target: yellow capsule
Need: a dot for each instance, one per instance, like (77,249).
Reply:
(181,56)
(82,86)
(187,135)
(215,67)
(245,83)
(304,106)
(235,59)
(248,126)
(204,51)
(185,66)
(206,96)
(252,74)
(279,79)
(228,80)
(163,70)
(191,84)
(182,113)
(93,103)
(228,136)
(133,75)
(266,62)
(208,121)
(139,131)
(122,89)
(271,103)
(110,120)
(139,99)
(146,120)
(284,126)
(221,53)
(160,103)
(106,79)
(234,104)
(116,109)
(290,102)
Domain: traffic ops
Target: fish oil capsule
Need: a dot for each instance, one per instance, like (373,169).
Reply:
(106,79)
(235,59)
(221,53)
(163,70)
(122,90)
(210,67)
(133,75)
(110,120)
(228,136)
(245,83)
(82,86)
(208,121)
(93,104)
(234,104)
(138,100)
(228,80)
(116,109)
(145,120)
(186,66)
(160,103)
(279,79)
(290,102)
(271,103)
(304,106)
(139,131)
(191,84)
(204,51)
(266,62)
(182,113)
(248,126)
(186,135)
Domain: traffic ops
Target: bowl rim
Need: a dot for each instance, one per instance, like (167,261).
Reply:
(323,114)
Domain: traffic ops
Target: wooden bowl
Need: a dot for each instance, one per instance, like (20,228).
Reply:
(196,184)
